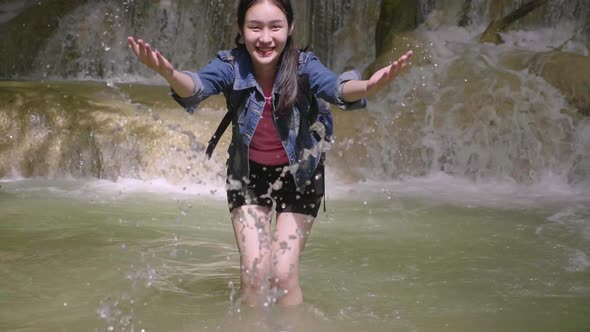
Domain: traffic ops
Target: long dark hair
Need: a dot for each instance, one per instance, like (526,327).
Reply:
(287,84)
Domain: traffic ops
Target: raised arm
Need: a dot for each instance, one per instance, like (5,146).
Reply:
(180,82)
(355,90)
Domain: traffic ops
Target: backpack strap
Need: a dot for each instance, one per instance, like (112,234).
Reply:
(235,101)
(218,133)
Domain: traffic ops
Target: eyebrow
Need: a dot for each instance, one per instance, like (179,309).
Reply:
(271,22)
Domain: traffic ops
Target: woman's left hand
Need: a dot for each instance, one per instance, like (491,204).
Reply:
(383,76)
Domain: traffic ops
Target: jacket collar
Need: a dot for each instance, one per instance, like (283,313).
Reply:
(245,71)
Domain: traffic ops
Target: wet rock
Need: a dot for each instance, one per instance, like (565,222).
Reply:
(396,16)
(398,44)
(569,73)
(23,36)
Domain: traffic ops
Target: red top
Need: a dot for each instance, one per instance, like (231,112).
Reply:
(266,147)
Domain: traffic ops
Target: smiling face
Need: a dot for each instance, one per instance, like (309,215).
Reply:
(265,34)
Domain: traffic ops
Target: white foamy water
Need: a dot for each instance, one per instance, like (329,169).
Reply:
(443,188)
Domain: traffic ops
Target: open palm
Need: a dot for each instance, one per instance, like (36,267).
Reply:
(383,76)
(152,59)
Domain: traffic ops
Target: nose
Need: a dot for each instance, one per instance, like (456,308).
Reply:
(265,36)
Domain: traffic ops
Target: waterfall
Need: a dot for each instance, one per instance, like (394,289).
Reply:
(467,109)
(90,41)
(480,12)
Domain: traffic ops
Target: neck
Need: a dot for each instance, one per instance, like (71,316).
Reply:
(265,76)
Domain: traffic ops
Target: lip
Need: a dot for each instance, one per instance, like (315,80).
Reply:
(265,52)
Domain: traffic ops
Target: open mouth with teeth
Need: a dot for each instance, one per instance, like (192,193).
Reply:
(266,51)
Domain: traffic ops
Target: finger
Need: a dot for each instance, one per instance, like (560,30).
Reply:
(387,72)
(405,59)
(151,57)
(162,60)
(397,68)
(133,46)
(141,49)
(384,76)
(406,63)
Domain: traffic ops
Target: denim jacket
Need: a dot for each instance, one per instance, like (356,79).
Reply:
(232,70)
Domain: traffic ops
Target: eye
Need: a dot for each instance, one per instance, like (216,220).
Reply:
(254,28)
(276,27)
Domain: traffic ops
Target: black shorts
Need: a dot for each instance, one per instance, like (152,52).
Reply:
(274,185)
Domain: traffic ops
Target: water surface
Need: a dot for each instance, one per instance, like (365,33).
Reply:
(78,256)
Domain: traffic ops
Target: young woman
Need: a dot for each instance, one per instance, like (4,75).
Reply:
(270,163)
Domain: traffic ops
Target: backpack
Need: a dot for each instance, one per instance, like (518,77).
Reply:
(319,115)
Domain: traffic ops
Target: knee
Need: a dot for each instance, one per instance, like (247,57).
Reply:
(254,278)
(285,277)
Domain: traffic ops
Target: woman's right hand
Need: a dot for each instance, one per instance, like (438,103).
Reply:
(152,59)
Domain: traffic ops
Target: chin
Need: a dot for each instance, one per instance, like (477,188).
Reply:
(266,60)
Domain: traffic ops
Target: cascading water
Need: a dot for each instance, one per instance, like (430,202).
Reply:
(466,109)
(91,42)
(468,114)
(469,110)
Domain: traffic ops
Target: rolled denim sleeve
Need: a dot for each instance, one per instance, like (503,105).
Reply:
(343,78)
(213,79)
(191,103)
(327,85)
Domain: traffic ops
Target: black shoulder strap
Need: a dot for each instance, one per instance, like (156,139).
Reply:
(235,101)
(306,99)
